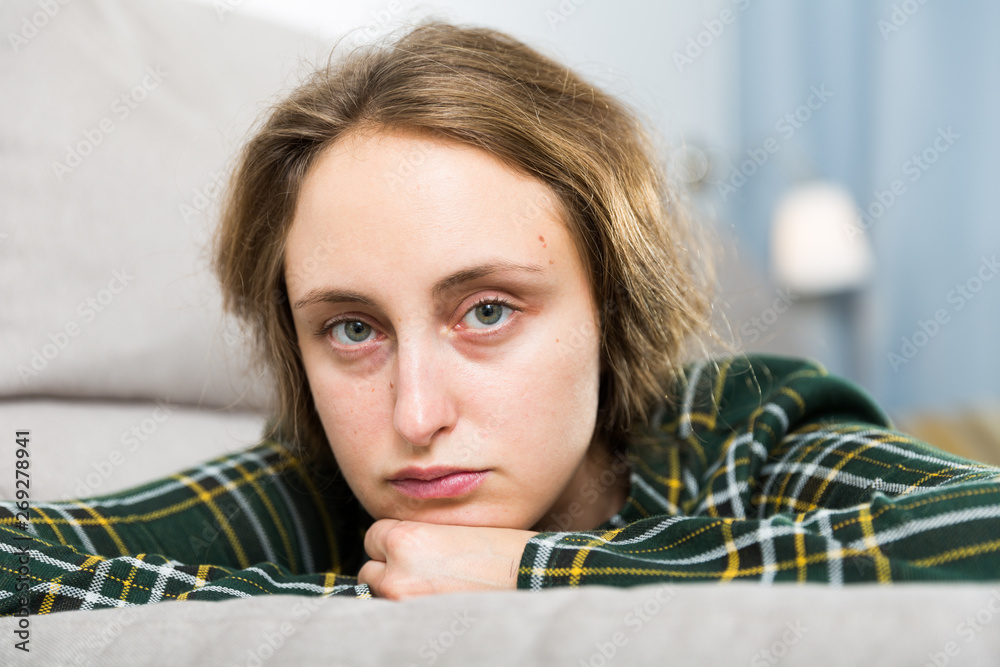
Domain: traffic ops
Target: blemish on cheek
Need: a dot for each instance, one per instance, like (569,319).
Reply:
(390,384)
(542,239)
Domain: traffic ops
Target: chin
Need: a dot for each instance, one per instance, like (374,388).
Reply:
(460,516)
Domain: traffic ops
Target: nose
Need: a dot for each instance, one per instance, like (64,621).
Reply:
(424,405)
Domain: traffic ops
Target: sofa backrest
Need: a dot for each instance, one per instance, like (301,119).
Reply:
(119,121)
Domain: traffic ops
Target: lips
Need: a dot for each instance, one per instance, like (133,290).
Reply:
(426,474)
(437,482)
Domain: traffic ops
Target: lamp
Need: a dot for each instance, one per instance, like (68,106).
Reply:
(817,245)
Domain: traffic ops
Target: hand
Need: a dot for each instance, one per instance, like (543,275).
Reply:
(411,558)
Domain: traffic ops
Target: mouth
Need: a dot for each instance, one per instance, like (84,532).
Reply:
(437,482)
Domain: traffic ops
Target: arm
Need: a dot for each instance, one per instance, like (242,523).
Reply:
(799,480)
(249,523)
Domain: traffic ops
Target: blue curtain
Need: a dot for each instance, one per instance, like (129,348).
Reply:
(909,123)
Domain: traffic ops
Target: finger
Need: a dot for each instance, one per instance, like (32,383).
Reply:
(371,574)
(375,538)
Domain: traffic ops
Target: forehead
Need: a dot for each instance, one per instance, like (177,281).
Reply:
(374,205)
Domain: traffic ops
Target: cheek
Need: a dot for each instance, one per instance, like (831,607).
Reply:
(352,417)
(557,390)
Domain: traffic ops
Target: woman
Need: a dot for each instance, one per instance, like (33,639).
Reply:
(473,289)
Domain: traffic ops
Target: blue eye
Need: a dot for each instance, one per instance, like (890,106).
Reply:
(355,330)
(489,311)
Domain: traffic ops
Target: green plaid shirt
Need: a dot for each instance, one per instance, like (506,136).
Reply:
(768,469)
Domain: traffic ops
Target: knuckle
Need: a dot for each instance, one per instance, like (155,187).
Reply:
(403,535)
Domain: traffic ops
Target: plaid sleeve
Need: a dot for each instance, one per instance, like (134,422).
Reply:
(249,523)
(772,470)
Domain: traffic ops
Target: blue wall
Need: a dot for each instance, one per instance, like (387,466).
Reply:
(906,79)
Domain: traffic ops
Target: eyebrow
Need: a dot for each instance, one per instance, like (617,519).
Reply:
(443,286)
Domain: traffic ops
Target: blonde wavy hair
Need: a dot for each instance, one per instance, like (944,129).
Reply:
(647,264)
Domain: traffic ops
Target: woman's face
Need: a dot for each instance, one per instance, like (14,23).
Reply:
(446,325)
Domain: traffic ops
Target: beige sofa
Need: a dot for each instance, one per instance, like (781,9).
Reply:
(119,118)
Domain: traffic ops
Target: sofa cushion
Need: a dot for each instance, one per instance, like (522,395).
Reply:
(698,624)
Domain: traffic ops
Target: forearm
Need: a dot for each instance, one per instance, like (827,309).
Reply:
(944,533)
(62,578)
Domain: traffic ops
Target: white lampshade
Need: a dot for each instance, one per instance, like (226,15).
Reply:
(817,244)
